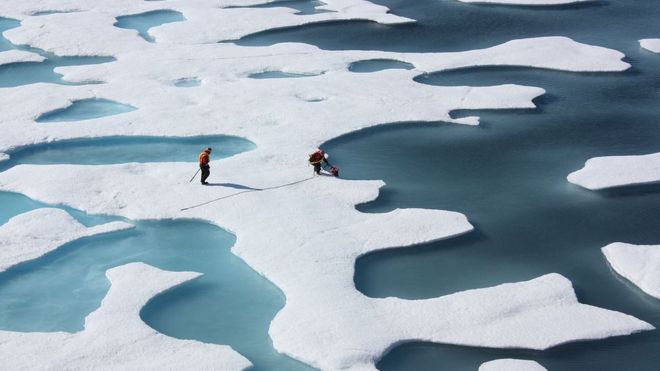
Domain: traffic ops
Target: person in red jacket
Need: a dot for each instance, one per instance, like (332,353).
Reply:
(318,158)
(204,159)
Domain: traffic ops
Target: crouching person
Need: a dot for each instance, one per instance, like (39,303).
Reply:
(320,158)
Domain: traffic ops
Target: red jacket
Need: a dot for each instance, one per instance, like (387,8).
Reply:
(204,158)
(316,157)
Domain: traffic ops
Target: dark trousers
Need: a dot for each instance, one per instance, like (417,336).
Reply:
(206,171)
(319,166)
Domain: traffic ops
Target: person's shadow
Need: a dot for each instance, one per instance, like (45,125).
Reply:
(233,185)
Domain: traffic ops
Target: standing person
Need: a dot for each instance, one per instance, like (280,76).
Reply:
(204,159)
(317,159)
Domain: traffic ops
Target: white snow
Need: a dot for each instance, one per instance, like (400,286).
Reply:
(4,157)
(651,45)
(640,264)
(38,232)
(116,338)
(617,171)
(526,2)
(17,56)
(305,237)
(511,365)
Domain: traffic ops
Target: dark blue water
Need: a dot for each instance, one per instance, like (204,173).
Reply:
(303,7)
(119,150)
(508,177)
(375,65)
(16,74)
(144,21)
(86,109)
(449,25)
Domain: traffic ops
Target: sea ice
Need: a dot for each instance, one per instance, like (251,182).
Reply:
(18,56)
(651,45)
(221,24)
(36,233)
(640,264)
(205,21)
(511,365)
(303,233)
(116,338)
(314,264)
(617,171)
(4,157)
(224,68)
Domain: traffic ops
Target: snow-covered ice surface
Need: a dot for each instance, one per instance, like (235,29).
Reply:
(17,56)
(617,171)
(321,286)
(511,365)
(294,236)
(651,45)
(206,22)
(35,233)
(640,264)
(4,157)
(224,69)
(526,2)
(116,338)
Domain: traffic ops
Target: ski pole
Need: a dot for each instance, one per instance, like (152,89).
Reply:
(191,179)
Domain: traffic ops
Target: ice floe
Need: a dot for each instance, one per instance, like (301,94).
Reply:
(214,26)
(313,263)
(33,234)
(115,336)
(303,233)
(617,171)
(640,264)
(651,45)
(18,56)
(511,365)
(4,157)
(536,314)
(526,2)
(206,21)
(352,101)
